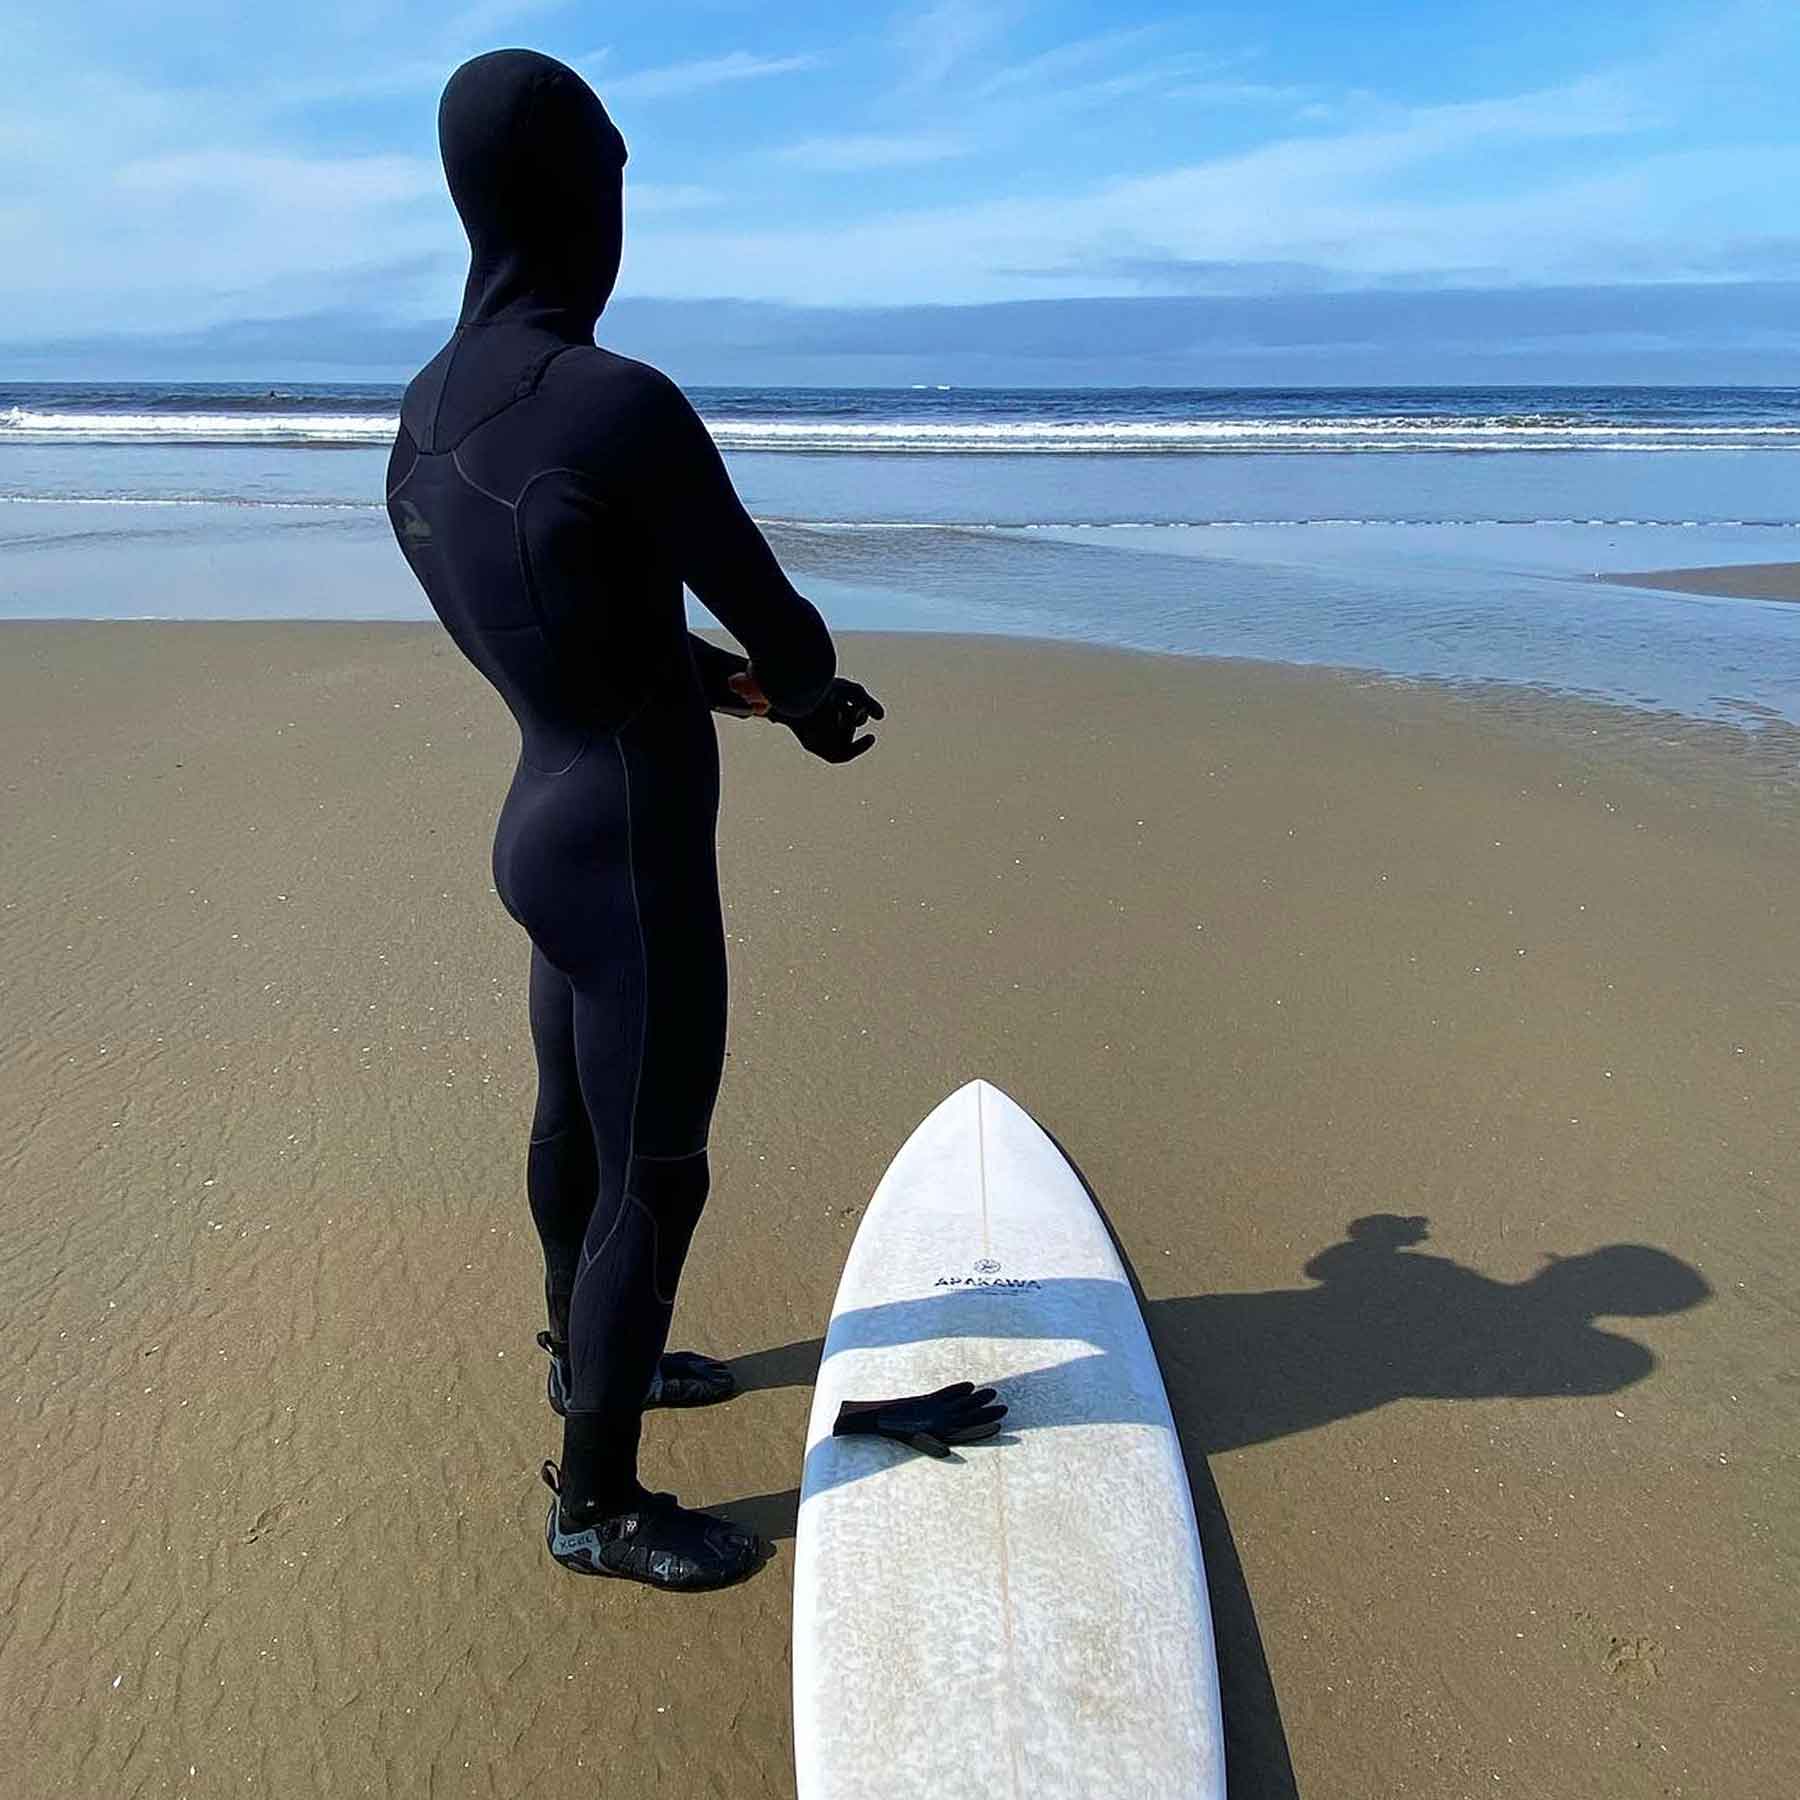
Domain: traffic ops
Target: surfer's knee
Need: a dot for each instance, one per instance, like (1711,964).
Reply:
(672,1191)
(559,1109)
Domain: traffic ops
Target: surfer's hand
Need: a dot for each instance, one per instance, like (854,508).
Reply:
(829,730)
(958,1414)
(749,690)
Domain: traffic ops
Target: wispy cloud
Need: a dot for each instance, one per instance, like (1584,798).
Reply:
(313,184)
(477,22)
(852,152)
(1362,206)
(707,72)
(1198,275)
(1079,53)
(1022,98)
(668,197)
(434,54)
(1249,93)
(931,41)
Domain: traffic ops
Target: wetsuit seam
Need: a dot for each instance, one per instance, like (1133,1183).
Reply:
(655,1249)
(518,505)
(586,744)
(523,390)
(512,506)
(437,406)
(524,564)
(587,1261)
(637,913)
(679,1156)
(543,369)
(629,720)
(561,469)
(528,581)
(637,1081)
(411,467)
(522,550)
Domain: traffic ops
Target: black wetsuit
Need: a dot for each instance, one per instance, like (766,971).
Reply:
(552,498)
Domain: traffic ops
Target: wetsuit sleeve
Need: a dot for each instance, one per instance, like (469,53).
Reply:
(726,561)
(715,666)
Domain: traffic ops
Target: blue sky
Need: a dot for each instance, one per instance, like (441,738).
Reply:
(179,172)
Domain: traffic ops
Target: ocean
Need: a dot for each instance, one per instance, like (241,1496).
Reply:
(1441,534)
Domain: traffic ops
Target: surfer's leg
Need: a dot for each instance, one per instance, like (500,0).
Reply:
(684,1060)
(646,964)
(562,1179)
(649,1048)
(602,1521)
(562,1176)
(613,1339)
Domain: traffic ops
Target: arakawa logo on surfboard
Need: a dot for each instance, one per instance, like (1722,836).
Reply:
(985,1273)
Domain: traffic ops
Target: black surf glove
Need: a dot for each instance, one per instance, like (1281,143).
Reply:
(958,1414)
(829,730)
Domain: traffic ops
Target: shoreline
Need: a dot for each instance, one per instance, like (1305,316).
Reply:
(1430,1054)
(1760,749)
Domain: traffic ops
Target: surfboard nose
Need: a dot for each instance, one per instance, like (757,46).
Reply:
(977,1105)
(979,1087)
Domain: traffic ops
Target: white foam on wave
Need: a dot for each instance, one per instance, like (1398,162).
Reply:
(232,500)
(1006,527)
(18,422)
(1164,436)
(970,436)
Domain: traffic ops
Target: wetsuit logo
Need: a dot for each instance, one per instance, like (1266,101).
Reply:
(413,524)
(986,1274)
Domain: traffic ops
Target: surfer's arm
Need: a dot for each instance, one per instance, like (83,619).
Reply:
(727,562)
(715,665)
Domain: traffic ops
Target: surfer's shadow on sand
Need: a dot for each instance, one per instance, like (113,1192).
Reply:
(1385,1322)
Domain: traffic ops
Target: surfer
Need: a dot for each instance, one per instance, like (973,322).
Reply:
(552,498)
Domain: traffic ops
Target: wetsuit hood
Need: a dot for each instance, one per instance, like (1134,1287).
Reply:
(535,167)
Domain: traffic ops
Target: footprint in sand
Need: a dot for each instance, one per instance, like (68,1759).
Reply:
(1634,1662)
(265,1521)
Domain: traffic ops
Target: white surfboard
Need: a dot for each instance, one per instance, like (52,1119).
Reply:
(1030,1618)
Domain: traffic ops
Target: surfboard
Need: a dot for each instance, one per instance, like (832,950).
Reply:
(1030,1617)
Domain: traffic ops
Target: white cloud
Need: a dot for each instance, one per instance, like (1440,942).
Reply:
(1361,204)
(667,197)
(183,238)
(485,17)
(1251,93)
(855,151)
(334,184)
(1078,53)
(1025,99)
(433,55)
(709,72)
(934,40)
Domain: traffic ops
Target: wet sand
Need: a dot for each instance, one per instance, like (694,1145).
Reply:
(1432,1054)
(1729,581)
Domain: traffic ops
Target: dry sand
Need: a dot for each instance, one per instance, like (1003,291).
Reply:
(1730,581)
(1271,951)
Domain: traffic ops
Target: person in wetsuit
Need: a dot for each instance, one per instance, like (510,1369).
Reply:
(552,498)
